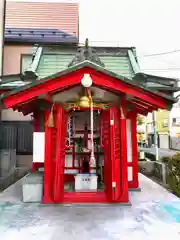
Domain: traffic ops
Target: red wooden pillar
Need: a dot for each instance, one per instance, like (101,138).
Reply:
(123,141)
(105,122)
(135,182)
(60,155)
(48,163)
(115,153)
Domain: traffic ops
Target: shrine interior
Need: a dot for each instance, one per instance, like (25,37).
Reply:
(84,123)
(80,131)
(78,148)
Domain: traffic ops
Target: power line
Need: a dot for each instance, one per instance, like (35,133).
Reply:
(156,69)
(117,43)
(159,54)
(161,69)
(139,56)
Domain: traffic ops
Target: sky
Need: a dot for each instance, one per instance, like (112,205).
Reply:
(149,25)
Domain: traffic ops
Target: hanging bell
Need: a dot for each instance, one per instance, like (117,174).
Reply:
(84,102)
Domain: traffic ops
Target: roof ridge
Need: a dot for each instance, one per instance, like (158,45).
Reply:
(86,53)
(30,72)
(99,68)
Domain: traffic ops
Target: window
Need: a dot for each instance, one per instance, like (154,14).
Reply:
(165,123)
(26,60)
(176,122)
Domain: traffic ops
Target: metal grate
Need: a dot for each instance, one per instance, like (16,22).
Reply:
(17,135)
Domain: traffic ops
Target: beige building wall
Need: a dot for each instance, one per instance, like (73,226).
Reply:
(10,115)
(12,58)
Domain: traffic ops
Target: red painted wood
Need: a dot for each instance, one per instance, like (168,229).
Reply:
(73,154)
(61,126)
(48,163)
(101,132)
(61,83)
(69,177)
(124,164)
(74,78)
(115,152)
(58,194)
(36,165)
(142,105)
(135,182)
(107,154)
(4,91)
(85,197)
(142,112)
(109,82)
(130,164)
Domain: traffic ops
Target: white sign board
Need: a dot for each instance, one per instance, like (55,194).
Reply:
(38,146)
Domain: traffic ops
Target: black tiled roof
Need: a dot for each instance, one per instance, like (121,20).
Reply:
(38,35)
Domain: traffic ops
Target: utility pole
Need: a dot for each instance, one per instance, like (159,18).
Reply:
(155,135)
(2,28)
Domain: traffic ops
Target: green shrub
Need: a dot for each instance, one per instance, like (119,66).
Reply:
(165,159)
(174,174)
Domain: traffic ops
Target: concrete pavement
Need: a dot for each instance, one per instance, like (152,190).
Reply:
(153,215)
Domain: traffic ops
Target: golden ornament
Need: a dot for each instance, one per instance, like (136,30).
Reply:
(84,102)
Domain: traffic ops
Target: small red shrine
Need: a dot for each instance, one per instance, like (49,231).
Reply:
(86,129)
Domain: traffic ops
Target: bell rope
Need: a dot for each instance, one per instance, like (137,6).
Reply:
(92,157)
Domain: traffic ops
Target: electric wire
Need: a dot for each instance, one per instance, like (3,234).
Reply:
(162,53)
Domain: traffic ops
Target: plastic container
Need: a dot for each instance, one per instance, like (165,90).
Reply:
(32,187)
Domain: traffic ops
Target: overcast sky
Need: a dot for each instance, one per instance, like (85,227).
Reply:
(152,26)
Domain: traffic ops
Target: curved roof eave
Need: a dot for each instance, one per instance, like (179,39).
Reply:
(98,68)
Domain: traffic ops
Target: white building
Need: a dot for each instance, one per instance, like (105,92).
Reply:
(174,120)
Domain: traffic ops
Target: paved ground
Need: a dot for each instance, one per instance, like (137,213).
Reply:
(154,214)
(162,152)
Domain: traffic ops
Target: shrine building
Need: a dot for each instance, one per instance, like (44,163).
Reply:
(84,102)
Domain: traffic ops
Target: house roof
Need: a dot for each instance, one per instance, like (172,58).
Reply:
(38,35)
(43,15)
(120,63)
(53,59)
(138,97)
(91,65)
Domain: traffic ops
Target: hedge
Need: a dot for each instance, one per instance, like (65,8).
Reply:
(174,173)
(173,168)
